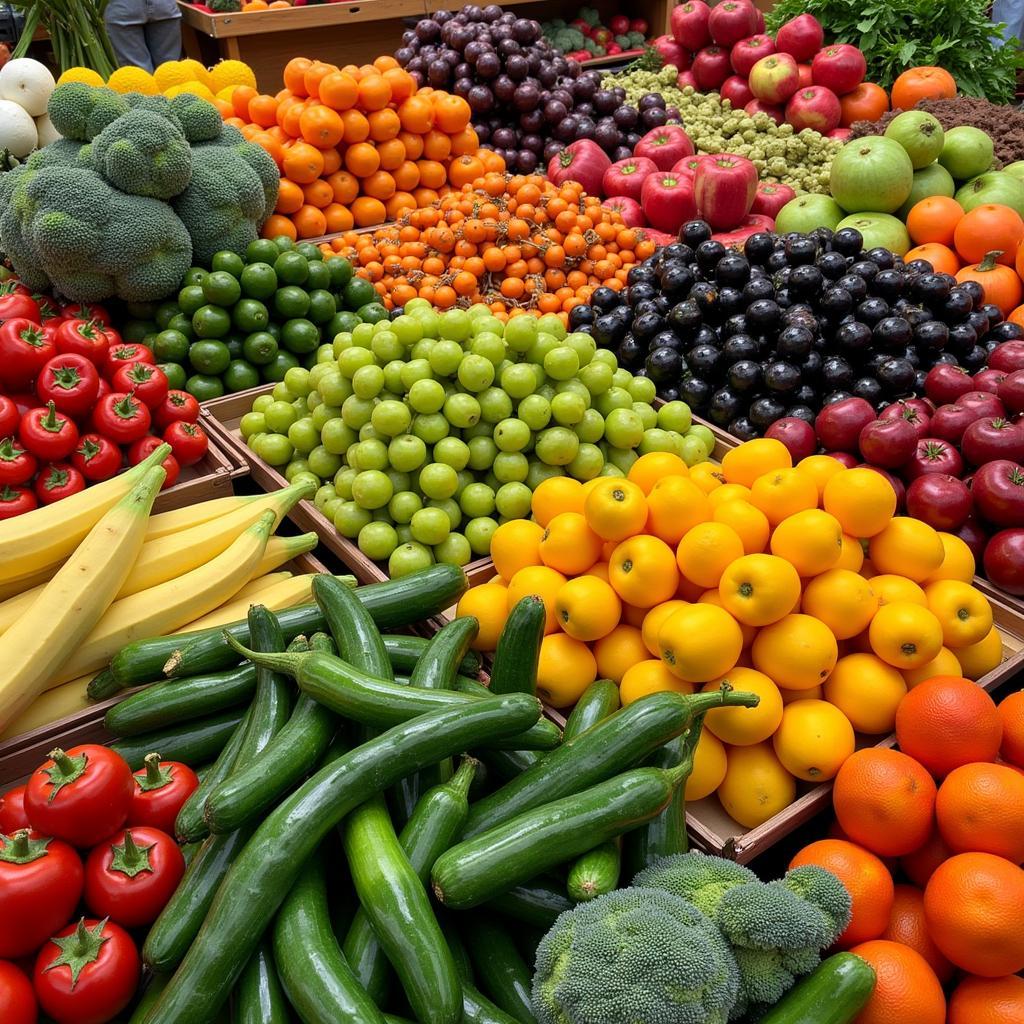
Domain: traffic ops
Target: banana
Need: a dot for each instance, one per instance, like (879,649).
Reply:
(60,702)
(178,519)
(297,590)
(281,550)
(261,583)
(37,647)
(14,587)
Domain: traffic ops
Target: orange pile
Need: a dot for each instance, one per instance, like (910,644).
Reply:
(356,146)
(515,242)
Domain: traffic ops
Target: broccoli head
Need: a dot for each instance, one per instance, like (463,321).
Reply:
(80,112)
(634,955)
(770,916)
(62,152)
(200,120)
(270,177)
(230,136)
(822,890)
(143,154)
(696,877)
(766,976)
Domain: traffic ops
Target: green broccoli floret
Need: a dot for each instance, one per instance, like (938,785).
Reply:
(696,877)
(61,153)
(107,107)
(270,177)
(200,120)
(143,154)
(12,239)
(160,105)
(225,6)
(634,955)
(823,890)
(230,136)
(770,916)
(69,107)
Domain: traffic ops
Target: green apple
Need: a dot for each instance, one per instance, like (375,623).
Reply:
(966,152)
(992,187)
(807,212)
(1016,169)
(871,174)
(933,180)
(879,229)
(919,133)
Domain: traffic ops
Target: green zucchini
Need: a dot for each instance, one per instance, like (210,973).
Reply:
(180,700)
(512,853)
(189,742)
(405,649)
(622,740)
(537,902)
(833,993)
(393,604)
(503,974)
(103,685)
(316,979)
(599,700)
(518,652)
(259,997)
(595,872)
(268,866)
(476,1007)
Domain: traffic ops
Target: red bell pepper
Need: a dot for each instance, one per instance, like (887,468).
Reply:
(724,187)
(626,177)
(688,165)
(664,146)
(583,161)
(24,349)
(770,198)
(71,382)
(628,209)
(668,201)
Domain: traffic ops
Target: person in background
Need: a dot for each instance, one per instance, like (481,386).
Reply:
(145,33)
(1011,14)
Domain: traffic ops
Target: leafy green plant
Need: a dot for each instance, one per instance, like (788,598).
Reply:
(76,30)
(899,34)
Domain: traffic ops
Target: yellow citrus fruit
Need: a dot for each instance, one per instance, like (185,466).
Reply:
(515,545)
(908,547)
(892,589)
(852,555)
(555,495)
(675,505)
(811,541)
(707,476)
(632,615)
(132,79)
(821,469)
(565,669)
(651,676)
(706,550)
(84,75)
(714,597)
(750,523)
(797,652)
(743,726)
(756,786)
(813,740)
(981,658)
(905,635)
(728,492)
(568,544)
(653,621)
(957,560)
(231,72)
(619,651)
(488,604)
(190,87)
(198,73)
(709,767)
(587,608)
(700,642)
(964,613)
(759,589)
(862,500)
(813,693)
(227,92)
(652,467)
(843,600)
(782,493)
(746,462)
(542,581)
(943,664)
(616,509)
(867,691)
(169,74)
(643,571)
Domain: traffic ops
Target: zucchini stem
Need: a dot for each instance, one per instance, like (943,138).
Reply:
(289,664)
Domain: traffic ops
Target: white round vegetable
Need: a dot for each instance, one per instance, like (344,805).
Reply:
(47,133)
(28,83)
(17,129)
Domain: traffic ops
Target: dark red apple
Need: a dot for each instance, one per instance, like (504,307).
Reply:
(773,79)
(922,405)
(671,52)
(806,77)
(842,134)
(998,489)
(776,113)
(796,434)
(711,68)
(1011,388)
(887,443)
(816,108)
(731,21)
(950,422)
(1004,561)
(934,455)
(1007,357)
(991,438)
(686,78)
(689,24)
(941,501)
(911,413)
(894,482)
(838,425)
(982,401)
(801,37)
(747,52)
(840,68)
(975,536)
(736,91)
(848,459)
(988,380)
(769,198)
(944,383)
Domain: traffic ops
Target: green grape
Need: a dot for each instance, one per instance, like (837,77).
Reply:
(648,417)
(511,435)
(445,357)
(511,466)
(477,500)
(561,363)
(588,462)
(350,518)
(450,508)
(377,540)
(475,373)
(352,358)
(479,531)
(557,446)
(539,472)
(356,411)
(430,526)
(407,452)
(409,557)
(403,505)
(369,454)
(495,405)
(520,379)
(337,436)
(391,417)
(368,381)
(482,452)
(454,325)
(453,550)
(568,409)
(393,377)
(462,410)
(490,346)
(535,411)
(431,427)
(343,482)
(452,451)
(372,489)
(436,480)
(591,427)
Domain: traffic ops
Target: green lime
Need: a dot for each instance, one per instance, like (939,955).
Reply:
(358,292)
(234,342)
(136,330)
(221,288)
(211,322)
(228,261)
(322,306)
(319,276)
(175,374)
(300,336)
(263,250)
(278,366)
(164,312)
(259,281)
(283,243)
(182,324)
(203,386)
(259,348)
(291,301)
(171,347)
(191,298)
(209,357)
(292,268)
(372,313)
(342,322)
(240,375)
(340,270)
(310,251)
(194,275)
(250,315)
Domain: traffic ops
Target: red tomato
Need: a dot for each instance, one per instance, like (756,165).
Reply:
(131,876)
(40,886)
(46,435)
(17,1000)
(12,811)
(17,304)
(49,310)
(24,349)
(12,286)
(15,501)
(87,973)
(144,447)
(58,481)
(125,354)
(86,311)
(121,417)
(188,441)
(147,382)
(17,466)
(86,337)
(96,457)
(71,382)
(178,405)
(105,389)
(81,795)
(161,788)
(9,417)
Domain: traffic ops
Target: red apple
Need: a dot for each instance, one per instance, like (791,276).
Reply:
(842,134)
(747,52)
(840,68)
(989,380)
(776,113)
(998,489)
(918,417)
(1007,357)
(806,76)
(686,78)
(940,500)
(801,37)
(838,425)
(887,443)
(671,52)
(760,19)
(1011,391)
(689,24)
(815,107)
(736,91)
(711,68)
(1004,561)
(975,536)
(688,165)
(664,147)
(991,438)
(934,455)
(982,402)
(950,421)
(731,21)
(796,434)
(752,224)
(846,458)
(773,79)
(770,198)
(945,383)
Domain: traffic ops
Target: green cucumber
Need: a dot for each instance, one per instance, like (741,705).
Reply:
(476,1007)
(405,649)
(393,604)
(618,742)
(833,993)
(537,903)
(260,878)
(595,873)
(599,700)
(259,997)
(515,660)
(357,637)
(189,742)
(103,685)
(503,974)
(316,979)
(180,700)
(512,853)
(507,764)
(149,997)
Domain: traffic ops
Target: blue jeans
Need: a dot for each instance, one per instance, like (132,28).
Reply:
(1011,13)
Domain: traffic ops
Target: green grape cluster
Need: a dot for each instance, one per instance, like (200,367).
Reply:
(424,433)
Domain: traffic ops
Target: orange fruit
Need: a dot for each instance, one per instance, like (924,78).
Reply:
(615,509)
(885,801)
(706,550)
(713,597)
(866,879)
(957,560)
(707,476)
(891,589)
(798,652)
(743,726)
(782,493)
(907,925)
(843,600)
(652,467)
(587,608)
(943,664)
(981,658)
(488,603)
(515,545)
(867,691)
(906,988)
(920,865)
(650,676)
(813,740)
(1011,712)
(643,571)
(750,524)
(630,615)
(555,495)
(541,580)
(963,612)
(852,555)
(821,469)
(862,500)
(675,505)
(905,635)
(653,620)
(946,722)
(908,547)
(973,907)
(789,696)
(709,766)
(619,651)
(811,541)
(569,545)
(728,492)
(565,669)
(756,787)
(700,642)
(980,807)
(746,462)
(759,589)
(987,1001)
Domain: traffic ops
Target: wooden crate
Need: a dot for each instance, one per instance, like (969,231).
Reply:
(211,477)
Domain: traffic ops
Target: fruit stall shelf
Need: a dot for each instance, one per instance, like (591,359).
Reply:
(211,477)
